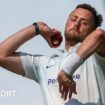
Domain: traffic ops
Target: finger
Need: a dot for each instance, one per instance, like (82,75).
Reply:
(56,31)
(66,93)
(63,90)
(70,94)
(62,94)
(74,87)
(60,87)
(75,90)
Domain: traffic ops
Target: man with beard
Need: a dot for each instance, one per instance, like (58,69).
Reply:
(84,45)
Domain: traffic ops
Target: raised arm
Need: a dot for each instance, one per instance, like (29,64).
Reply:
(10,59)
(94,42)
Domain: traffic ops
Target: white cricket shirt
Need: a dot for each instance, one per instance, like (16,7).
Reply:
(89,77)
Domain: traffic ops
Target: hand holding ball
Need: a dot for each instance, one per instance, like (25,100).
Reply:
(56,40)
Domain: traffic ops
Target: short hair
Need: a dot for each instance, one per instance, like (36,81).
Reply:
(97,17)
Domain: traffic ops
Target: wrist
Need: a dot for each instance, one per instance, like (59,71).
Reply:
(36,27)
(71,63)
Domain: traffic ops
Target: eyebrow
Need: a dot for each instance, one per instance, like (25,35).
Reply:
(77,17)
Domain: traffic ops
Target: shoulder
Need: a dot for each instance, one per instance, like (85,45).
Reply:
(37,58)
(98,57)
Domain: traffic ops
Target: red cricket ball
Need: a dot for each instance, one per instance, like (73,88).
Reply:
(56,40)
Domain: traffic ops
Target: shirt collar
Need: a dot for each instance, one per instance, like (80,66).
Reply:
(72,49)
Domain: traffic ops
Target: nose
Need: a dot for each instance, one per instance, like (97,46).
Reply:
(77,24)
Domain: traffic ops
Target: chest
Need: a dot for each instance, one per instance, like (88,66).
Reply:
(52,69)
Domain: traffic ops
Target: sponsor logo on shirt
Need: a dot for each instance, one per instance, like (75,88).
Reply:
(53,81)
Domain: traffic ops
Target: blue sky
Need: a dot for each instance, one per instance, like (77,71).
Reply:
(17,14)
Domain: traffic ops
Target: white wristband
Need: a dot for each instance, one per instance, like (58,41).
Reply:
(71,63)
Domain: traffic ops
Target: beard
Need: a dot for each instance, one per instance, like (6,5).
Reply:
(73,35)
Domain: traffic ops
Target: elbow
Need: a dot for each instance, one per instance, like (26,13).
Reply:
(1,60)
(100,34)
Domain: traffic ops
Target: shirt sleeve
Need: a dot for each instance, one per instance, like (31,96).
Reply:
(30,64)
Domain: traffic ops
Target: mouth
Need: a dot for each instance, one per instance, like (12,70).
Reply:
(75,30)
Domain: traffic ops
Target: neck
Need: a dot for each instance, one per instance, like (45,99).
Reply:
(69,44)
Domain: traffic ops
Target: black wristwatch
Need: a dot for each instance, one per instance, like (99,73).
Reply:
(37,31)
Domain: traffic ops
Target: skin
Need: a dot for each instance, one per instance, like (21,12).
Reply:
(9,58)
(92,40)
(80,27)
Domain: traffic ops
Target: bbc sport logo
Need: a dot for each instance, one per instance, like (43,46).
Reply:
(53,81)
(7,93)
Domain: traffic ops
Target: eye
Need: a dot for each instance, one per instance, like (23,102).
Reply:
(84,22)
(72,18)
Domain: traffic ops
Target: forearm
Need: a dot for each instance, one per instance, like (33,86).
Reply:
(88,47)
(8,46)
(11,44)
(93,43)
